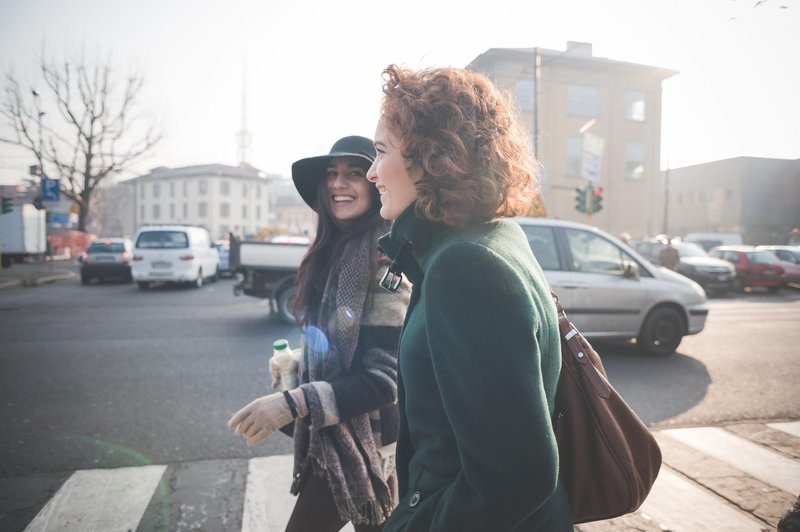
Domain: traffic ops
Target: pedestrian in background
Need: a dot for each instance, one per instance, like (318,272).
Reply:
(668,257)
(346,401)
(480,356)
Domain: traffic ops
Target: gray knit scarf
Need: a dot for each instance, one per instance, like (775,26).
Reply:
(345,454)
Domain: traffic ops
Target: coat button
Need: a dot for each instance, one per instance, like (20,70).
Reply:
(414,500)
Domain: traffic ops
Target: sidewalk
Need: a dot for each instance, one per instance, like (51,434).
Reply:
(36,273)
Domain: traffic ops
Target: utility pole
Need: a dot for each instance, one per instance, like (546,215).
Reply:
(243,137)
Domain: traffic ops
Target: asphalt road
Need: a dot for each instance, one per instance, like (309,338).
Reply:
(107,375)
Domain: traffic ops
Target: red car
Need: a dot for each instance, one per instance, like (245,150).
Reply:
(754,267)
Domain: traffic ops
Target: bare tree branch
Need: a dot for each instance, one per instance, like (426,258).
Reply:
(95,133)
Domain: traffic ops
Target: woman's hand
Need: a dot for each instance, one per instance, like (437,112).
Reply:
(265,415)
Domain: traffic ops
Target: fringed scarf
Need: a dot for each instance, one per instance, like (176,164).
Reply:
(346,453)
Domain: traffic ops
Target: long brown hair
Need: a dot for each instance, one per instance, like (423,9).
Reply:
(323,256)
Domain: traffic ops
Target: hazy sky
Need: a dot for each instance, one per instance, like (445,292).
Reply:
(314,67)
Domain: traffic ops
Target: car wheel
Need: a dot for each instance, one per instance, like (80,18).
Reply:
(199,281)
(284,300)
(128,278)
(143,285)
(215,277)
(773,289)
(662,332)
(85,279)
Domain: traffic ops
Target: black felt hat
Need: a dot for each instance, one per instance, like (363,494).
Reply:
(307,172)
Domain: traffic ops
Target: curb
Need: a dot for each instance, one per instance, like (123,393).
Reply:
(34,281)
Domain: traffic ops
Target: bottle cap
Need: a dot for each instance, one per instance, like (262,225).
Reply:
(280,344)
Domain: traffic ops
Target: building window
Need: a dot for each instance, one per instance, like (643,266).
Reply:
(202,209)
(258,191)
(244,190)
(172,211)
(526,94)
(202,186)
(574,154)
(185,188)
(171,189)
(244,211)
(141,212)
(141,191)
(224,230)
(156,190)
(583,100)
(679,198)
(156,212)
(258,211)
(635,107)
(634,159)
(185,211)
(225,210)
(224,188)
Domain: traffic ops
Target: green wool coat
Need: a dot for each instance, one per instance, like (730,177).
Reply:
(479,360)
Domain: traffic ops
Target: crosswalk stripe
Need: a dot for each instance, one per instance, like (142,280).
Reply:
(753,459)
(679,505)
(102,500)
(792,428)
(267,502)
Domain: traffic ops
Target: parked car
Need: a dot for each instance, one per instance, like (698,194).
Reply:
(174,254)
(106,258)
(754,267)
(789,256)
(611,291)
(714,275)
(224,250)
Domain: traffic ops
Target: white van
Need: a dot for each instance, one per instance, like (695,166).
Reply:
(712,240)
(173,254)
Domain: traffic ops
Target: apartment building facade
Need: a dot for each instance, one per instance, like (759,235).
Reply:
(220,198)
(567,98)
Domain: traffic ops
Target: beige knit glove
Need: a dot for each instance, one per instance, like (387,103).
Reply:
(265,415)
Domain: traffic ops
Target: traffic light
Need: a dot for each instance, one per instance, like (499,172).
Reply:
(580,199)
(7,204)
(597,199)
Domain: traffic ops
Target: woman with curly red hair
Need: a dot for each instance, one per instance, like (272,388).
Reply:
(479,356)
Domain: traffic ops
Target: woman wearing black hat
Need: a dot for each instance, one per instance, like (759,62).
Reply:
(347,395)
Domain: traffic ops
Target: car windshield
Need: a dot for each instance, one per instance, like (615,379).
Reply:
(686,249)
(105,247)
(162,240)
(762,257)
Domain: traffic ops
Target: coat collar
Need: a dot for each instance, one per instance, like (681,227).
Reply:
(408,242)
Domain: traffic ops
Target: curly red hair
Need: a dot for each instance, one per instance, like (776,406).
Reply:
(476,158)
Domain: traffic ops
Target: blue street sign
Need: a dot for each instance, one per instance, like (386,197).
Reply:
(51,189)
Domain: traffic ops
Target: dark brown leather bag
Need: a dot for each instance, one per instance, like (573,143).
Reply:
(608,458)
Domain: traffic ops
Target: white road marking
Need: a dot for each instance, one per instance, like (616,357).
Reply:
(792,428)
(753,459)
(101,500)
(267,502)
(680,505)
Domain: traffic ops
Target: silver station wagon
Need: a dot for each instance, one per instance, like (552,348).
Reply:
(610,291)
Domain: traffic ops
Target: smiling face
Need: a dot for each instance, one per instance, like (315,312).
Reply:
(390,173)
(348,189)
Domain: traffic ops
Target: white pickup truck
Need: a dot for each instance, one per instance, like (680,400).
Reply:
(267,270)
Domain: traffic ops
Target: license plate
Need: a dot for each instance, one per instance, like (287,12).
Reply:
(161,265)
(722,277)
(104,259)
(769,273)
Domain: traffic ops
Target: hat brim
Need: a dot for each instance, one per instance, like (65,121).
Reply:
(306,173)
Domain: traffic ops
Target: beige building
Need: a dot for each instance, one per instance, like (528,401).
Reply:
(220,198)
(571,100)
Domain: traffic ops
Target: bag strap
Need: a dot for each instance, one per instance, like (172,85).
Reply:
(582,352)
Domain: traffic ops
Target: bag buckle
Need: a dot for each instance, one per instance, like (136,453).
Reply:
(391,279)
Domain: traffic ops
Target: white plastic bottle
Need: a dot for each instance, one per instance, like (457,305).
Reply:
(286,364)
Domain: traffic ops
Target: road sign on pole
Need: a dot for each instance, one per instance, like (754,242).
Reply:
(592,159)
(51,189)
